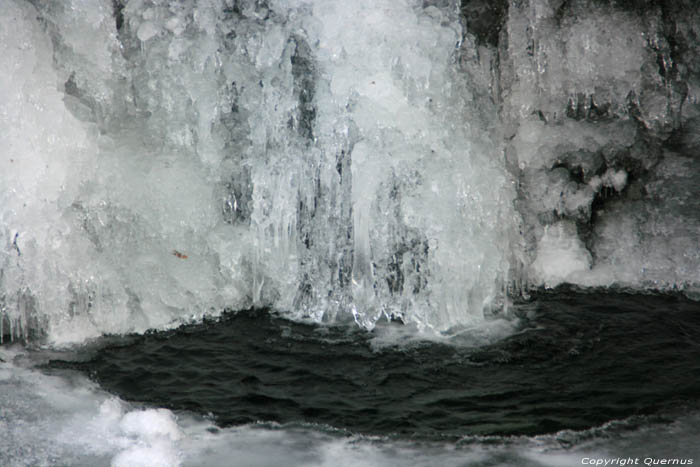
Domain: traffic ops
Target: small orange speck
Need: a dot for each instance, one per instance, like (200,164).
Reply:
(179,255)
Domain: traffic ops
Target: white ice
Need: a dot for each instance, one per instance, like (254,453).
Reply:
(160,173)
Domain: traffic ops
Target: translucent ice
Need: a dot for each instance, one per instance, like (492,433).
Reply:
(336,160)
(167,160)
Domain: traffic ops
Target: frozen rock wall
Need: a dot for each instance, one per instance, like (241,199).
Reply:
(333,160)
(339,161)
(599,107)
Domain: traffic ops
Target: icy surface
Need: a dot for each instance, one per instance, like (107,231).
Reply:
(560,254)
(339,161)
(51,420)
(600,115)
(321,157)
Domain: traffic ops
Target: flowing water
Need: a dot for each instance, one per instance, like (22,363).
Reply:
(573,361)
(568,378)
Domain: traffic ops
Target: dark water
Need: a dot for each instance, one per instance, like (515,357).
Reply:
(576,361)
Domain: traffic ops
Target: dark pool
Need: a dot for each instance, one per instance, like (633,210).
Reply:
(574,361)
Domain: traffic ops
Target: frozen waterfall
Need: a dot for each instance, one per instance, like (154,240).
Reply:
(338,160)
(328,159)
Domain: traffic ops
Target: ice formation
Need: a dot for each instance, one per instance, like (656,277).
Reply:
(329,159)
(339,160)
(600,116)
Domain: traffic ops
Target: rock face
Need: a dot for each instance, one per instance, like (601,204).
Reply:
(599,109)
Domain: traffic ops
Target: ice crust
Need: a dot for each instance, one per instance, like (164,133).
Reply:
(600,106)
(339,161)
(322,158)
(67,420)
